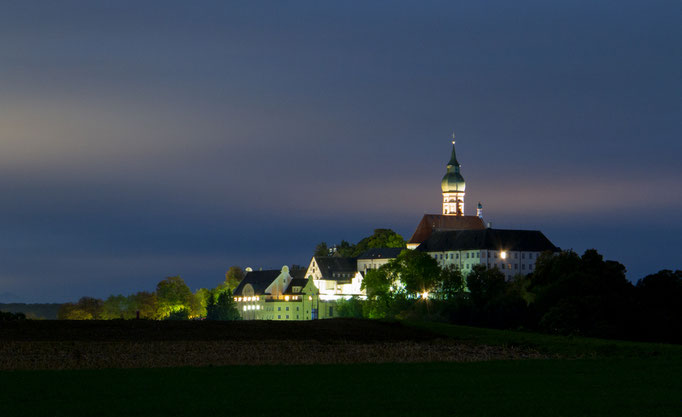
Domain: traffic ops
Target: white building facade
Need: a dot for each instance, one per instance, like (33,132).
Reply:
(511,251)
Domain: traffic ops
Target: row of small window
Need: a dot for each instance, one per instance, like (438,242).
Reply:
(516,266)
(287,308)
(501,266)
(251,307)
(477,255)
(246,298)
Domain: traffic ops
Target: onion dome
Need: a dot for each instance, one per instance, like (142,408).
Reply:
(453,180)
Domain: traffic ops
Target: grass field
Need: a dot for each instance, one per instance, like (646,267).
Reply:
(617,387)
(563,346)
(587,377)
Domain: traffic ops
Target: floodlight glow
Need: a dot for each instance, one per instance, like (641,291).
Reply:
(503,255)
(425,295)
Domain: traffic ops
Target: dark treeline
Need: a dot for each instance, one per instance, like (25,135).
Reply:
(566,294)
(36,311)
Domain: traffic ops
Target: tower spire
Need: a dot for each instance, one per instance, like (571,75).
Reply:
(453,186)
(453,157)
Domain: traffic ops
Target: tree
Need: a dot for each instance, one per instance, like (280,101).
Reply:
(7,316)
(221,306)
(144,302)
(202,296)
(451,283)
(659,316)
(233,277)
(174,295)
(485,285)
(180,314)
(582,295)
(321,250)
(417,271)
(344,249)
(87,308)
(116,307)
(377,282)
(381,238)
(352,308)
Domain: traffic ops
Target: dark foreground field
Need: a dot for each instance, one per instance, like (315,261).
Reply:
(568,377)
(143,344)
(587,387)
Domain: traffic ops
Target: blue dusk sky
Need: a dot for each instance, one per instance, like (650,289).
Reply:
(140,140)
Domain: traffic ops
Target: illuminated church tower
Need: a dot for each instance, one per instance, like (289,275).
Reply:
(453,186)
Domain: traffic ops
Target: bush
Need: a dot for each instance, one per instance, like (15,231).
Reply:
(7,316)
(182,314)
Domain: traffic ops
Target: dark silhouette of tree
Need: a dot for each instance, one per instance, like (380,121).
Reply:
(451,283)
(87,308)
(221,306)
(321,249)
(581,295)
(659,310)
(381,238)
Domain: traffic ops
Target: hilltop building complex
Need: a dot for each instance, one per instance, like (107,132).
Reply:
(452,238)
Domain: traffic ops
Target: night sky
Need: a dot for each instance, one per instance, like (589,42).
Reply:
(140,140)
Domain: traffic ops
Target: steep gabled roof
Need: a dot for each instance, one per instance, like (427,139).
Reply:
(488,239)
(259,280)
(381,253)
(439,222)
(335,268)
